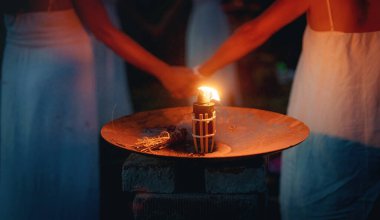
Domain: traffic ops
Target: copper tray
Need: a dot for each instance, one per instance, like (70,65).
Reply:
(241,132)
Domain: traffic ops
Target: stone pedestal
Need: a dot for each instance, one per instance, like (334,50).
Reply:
(169,189)
(186,206)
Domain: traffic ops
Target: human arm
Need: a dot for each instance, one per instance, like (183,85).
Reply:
(254,33)
(95,18)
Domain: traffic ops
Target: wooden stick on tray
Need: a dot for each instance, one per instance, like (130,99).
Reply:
(201,132)
(194,138)
(206,133)
(166,138)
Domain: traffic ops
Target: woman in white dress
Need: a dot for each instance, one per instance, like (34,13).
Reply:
(49,122)
(208,28)
(335,173)
(48,119)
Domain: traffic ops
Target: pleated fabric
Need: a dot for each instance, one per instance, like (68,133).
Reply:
(336,89)
(49,126)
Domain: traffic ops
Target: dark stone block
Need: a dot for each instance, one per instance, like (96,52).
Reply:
(148,206)
(148,174)
(240,179)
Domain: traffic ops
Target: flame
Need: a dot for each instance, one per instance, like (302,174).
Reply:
(210,93)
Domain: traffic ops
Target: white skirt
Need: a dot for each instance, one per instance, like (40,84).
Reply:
(335,173)
(49,129)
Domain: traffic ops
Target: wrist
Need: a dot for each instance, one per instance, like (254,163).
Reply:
(196,71)
(200,71)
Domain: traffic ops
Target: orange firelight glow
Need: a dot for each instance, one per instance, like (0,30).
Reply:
(209,93)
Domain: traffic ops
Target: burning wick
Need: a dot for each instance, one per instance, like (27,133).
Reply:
(206,94)
(204,117)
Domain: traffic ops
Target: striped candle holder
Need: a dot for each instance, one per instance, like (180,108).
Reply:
(204,127)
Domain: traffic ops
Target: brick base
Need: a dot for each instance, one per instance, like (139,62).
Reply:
(197,206)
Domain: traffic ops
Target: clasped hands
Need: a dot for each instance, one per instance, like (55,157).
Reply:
(181,82)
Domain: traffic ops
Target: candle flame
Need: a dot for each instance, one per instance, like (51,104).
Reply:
(209,92)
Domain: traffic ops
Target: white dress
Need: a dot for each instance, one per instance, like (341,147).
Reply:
(335,173)
(49,130)
(336,90)
(113,96)
(208,28)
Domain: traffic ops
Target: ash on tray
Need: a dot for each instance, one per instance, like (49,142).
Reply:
(168,136)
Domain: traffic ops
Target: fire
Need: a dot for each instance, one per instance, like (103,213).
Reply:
(209,93)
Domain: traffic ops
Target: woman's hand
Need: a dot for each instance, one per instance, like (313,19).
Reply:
(180,81)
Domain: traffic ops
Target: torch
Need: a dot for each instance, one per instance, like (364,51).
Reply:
(203,120)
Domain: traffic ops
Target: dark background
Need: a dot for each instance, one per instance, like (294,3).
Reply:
(160,26)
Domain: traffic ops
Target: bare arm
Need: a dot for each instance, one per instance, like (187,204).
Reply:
(95,17)
(254,33)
